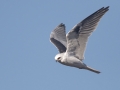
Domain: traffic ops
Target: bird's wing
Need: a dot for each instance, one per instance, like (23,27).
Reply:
(78,36)
(58,38)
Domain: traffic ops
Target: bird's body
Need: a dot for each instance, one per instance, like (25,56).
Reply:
(72,45)
(72,61)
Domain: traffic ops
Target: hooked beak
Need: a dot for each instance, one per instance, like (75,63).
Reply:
(56,60)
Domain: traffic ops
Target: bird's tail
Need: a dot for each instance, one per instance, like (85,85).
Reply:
(93,70)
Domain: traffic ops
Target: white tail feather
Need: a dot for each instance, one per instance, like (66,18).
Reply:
(93,70)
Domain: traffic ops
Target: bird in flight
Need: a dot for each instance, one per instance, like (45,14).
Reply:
(71,46)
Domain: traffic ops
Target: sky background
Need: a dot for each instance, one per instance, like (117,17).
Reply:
(27,57)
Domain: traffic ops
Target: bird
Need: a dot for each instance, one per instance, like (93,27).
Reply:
(71,46)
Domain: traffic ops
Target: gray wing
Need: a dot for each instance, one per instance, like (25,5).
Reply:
(78,36)
(58,37)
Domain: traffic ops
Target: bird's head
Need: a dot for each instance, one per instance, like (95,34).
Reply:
(58,57)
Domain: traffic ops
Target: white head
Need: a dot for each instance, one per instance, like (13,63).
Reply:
(59,57)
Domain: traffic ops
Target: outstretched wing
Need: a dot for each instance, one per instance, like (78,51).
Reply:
(78,36)
(58,37)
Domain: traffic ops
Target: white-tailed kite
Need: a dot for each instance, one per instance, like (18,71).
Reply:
(71,46)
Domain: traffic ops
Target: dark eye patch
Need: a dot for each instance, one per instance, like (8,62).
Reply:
(59,57)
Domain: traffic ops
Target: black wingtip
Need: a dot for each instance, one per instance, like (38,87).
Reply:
(107,7)
(60,25)
(104,8)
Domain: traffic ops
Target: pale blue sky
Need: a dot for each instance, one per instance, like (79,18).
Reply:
(27,57)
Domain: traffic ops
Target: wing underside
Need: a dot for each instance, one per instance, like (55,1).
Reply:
(78,36)
(58,38)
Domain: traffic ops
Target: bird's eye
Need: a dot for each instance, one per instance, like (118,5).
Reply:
(59,58)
